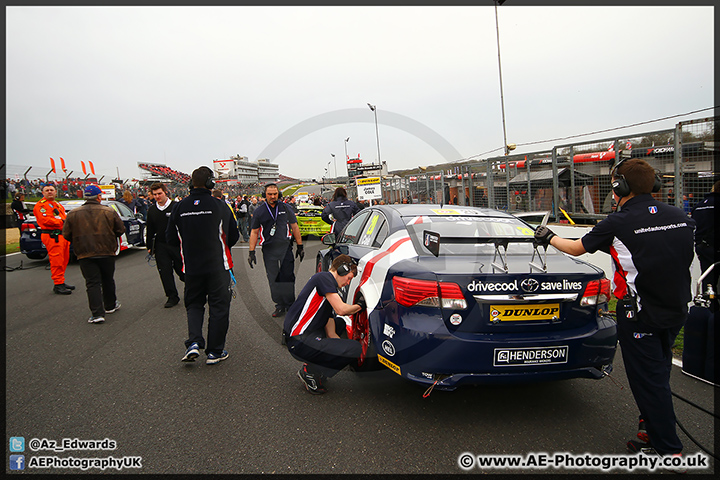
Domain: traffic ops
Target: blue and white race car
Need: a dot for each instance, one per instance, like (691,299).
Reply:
(463,295)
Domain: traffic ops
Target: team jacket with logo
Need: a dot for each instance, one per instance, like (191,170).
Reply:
(651,244)
(205,229)
(342,211)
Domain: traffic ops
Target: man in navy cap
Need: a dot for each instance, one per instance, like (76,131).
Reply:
(94,230)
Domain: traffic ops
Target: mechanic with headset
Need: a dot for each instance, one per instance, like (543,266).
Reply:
(205,229)
(274,226)
(651,245)
(312,330)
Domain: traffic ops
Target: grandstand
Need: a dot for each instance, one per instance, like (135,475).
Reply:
(160,171)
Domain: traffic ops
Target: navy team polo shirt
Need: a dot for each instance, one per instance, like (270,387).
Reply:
(311,309)
(651,244)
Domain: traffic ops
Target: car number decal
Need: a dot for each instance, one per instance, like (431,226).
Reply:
(515,313)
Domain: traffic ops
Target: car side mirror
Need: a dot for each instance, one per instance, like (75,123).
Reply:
(329,239)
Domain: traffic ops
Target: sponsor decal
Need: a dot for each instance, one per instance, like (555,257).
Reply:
(389,364)
(639,335)
(388,348)
(507,357)
(515,313)
(388,331)
(653,209)
(456,319)
(478,286)
(196,202)
(529,285)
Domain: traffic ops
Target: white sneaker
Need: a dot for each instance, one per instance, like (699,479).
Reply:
(96,319)
(115,308)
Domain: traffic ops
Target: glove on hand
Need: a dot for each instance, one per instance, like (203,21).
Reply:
(543,235)
(252,258)
(300,252)
(361,302)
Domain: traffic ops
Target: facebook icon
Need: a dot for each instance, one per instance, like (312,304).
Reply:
(17,462)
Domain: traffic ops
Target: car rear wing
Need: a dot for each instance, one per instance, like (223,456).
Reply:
(432,240)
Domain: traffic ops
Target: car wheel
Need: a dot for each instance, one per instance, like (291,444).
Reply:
(361,332)
(36,256)
(318,265)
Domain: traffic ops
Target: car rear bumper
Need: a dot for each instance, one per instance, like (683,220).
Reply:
(451,361)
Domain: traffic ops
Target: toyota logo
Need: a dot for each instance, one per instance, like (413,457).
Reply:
(529,285)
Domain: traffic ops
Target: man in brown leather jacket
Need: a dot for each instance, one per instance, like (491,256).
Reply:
(94,229)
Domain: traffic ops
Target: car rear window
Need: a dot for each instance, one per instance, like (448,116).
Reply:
(469,227)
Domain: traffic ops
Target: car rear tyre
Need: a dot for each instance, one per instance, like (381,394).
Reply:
(368,361)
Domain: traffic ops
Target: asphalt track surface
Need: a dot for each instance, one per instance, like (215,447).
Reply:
(123,380)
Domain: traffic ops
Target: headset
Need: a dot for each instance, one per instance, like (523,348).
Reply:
(264,194)
(209,183)
(620,185)
(345,268)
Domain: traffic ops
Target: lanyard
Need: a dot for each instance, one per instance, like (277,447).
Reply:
(274,217)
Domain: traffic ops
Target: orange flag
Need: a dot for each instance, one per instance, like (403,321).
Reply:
(92,167)
(62,164)
(83,167)
(52,165)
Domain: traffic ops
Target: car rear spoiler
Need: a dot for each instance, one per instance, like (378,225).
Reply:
(432,240)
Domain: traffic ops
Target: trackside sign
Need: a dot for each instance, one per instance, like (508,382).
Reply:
(369,188)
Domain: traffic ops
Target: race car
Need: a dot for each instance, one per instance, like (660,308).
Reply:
(464,295)
(309,221)
(32,246)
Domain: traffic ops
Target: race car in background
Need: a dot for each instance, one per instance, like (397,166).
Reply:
(32,246)
(464,295)
(310,221)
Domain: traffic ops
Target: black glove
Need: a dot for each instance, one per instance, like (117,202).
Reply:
(300,252)
(361,302)
(543,235)
(56,211)
(252,258)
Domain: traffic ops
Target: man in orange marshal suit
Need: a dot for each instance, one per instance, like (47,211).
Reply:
(50,216)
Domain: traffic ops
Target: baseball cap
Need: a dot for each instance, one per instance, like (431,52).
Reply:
(92,190)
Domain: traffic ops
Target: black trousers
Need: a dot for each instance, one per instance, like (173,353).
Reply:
(168,260)
(324,355)
(213,289)
(279,266)
(647,355)
(99,283)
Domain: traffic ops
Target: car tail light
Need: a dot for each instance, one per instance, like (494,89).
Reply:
(28,227)
(596,292)
(410,292)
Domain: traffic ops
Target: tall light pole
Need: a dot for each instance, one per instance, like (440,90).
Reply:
(377,138)
(333,155)
(502,99)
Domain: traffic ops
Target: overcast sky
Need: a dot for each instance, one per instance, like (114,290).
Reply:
(186,85)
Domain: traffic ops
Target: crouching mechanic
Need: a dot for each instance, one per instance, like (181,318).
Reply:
(651,245)
(312,331)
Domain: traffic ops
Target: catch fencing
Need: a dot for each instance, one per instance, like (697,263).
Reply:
(572,180)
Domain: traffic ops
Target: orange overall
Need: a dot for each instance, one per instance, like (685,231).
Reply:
(57,247)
